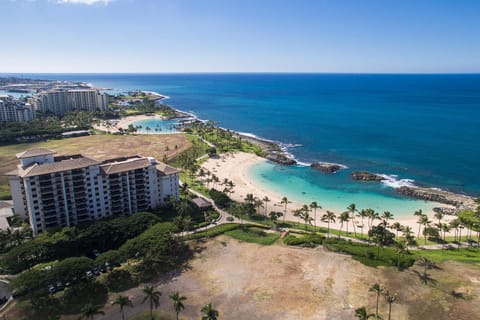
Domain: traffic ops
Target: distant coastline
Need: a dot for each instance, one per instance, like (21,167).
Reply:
(288,148)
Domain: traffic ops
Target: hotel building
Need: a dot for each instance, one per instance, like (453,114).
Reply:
(60,102)
(68,190)
(15,110)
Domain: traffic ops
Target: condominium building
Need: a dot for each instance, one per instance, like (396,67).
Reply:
(15,110)
(68,190)
(60,102)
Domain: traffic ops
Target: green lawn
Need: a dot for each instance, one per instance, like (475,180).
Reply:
(254,235)
(465,255)
(215,231)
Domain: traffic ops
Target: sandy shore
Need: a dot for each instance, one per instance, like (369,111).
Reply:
(126,121)
(234,167)
(113,126)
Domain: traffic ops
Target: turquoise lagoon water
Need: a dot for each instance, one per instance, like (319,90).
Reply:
(157,126)
(333,192)
(420,129)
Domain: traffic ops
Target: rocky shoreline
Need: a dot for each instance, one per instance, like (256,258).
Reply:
(272,150)
(458,200)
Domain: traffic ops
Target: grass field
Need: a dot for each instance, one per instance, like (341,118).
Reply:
(254,235)
(99,147)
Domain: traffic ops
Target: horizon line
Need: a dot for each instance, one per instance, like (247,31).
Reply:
(253,72)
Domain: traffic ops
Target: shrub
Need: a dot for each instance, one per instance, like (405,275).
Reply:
(119,280)
(309,240)
(220,198)
(76,297)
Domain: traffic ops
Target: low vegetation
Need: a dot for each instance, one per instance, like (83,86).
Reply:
(254,235)
(223,139)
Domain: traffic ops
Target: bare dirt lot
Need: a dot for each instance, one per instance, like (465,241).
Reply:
(250,281)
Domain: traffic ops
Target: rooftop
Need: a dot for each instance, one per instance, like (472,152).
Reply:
(34,153)
(63,165)
(78,161)
(166,169)
(201,203)
(126,165)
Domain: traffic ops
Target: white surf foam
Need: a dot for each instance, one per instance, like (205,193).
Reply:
(392,181)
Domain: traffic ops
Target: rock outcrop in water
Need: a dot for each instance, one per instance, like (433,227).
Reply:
(366,176)
(272,150)
(436,195)
(326,167)
(280,158)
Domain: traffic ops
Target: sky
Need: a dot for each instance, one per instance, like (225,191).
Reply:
(347,36)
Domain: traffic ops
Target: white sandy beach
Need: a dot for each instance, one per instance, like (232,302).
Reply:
(114,125)
(234,167)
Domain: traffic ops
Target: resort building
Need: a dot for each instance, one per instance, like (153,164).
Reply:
(60,102)
(56,191)
(15,110)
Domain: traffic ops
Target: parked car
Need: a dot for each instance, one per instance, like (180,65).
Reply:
(51,289)
(59,286)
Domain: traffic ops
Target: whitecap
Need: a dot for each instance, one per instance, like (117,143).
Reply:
(393,181)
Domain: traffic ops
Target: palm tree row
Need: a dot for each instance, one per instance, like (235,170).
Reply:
(370,215)
(151,295)
(390,298)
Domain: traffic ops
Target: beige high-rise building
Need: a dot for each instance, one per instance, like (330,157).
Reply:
(15,110)
(60,102)
(68,190)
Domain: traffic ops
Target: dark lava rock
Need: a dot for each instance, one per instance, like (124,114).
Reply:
(326,167)
(366,176)
(280,158)
(429,195)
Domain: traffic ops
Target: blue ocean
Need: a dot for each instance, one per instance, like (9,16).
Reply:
(417,129)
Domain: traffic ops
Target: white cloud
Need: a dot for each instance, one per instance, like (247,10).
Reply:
(89,2)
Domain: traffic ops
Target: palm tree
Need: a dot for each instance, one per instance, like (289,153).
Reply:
(209,313)
(89,311)
(303,214)
(274,215)
(344,217)
(390,299)
(401,248)
(439,215)
(153,296)
(426,263)
(265,201)
(314,205)
(177,302)
(418,214)
(285,202)
(329,217)
(362,314)
(444,228)
(123,302)
(258,203)
(397,227)
(378,290)
(167,149)
(352,208)
(249,198)
(387,215)
(363,214)
(455,224)
(372,215)
(423,220)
